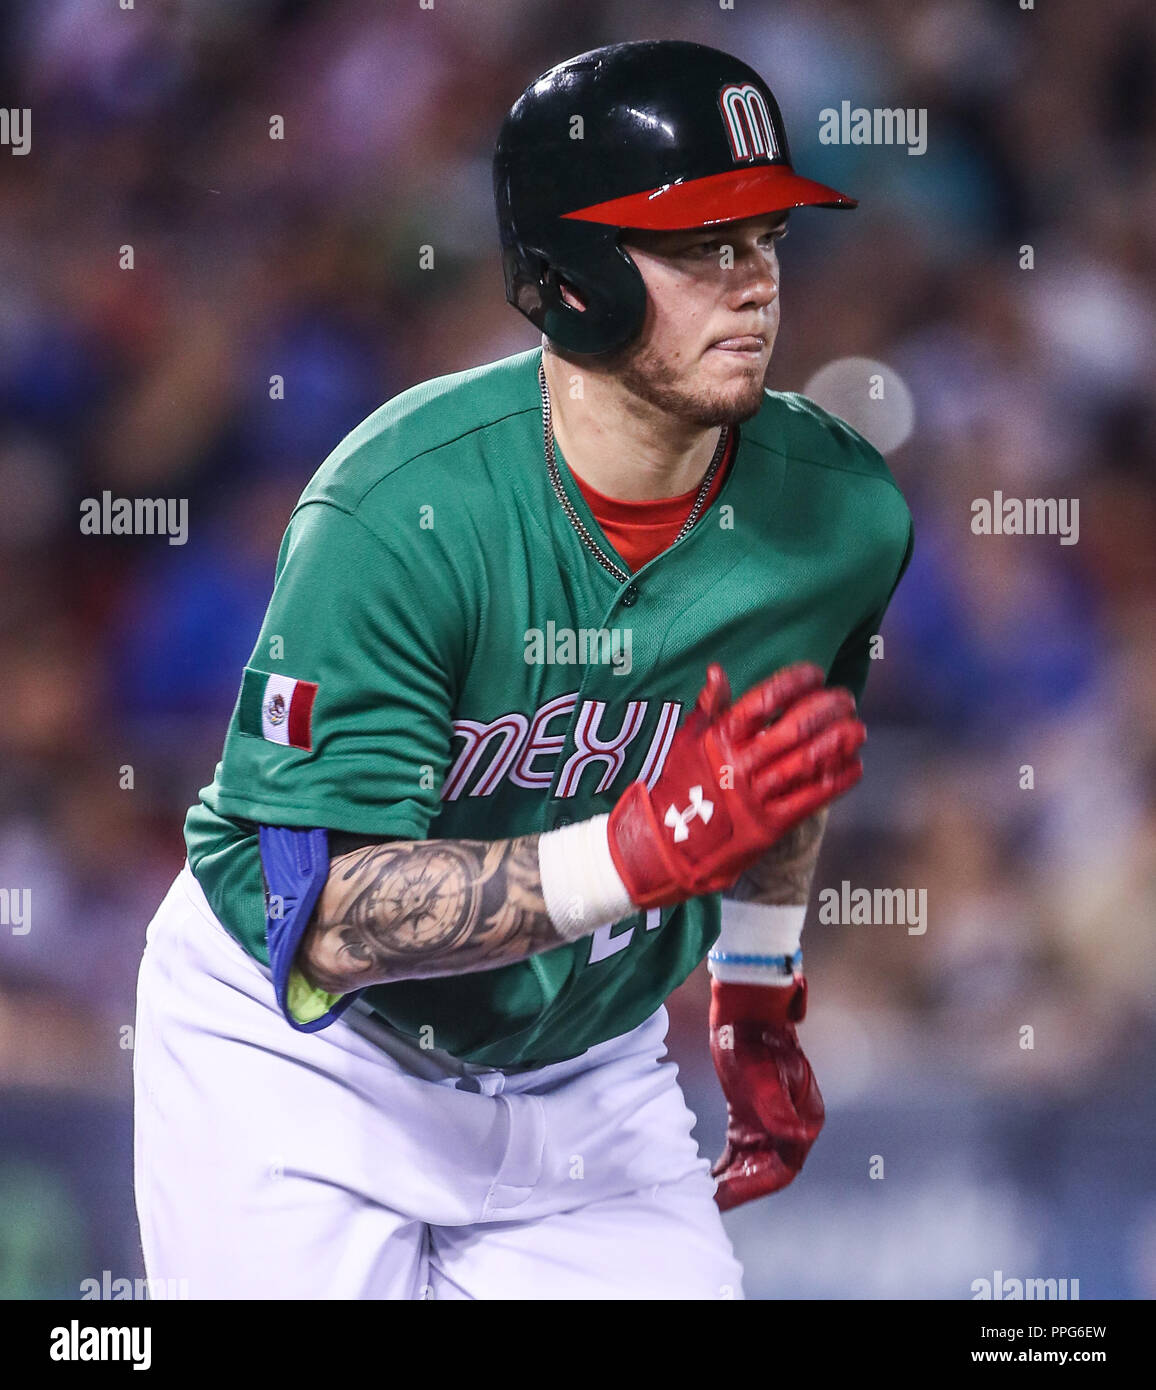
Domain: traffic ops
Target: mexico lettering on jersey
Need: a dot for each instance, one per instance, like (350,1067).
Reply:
(421,558)
(521,749)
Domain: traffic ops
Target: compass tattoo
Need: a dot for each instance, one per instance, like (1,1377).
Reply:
(417,909)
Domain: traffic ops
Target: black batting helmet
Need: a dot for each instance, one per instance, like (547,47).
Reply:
(659,135)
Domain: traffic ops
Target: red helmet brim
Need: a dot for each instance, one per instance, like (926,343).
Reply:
(726,197)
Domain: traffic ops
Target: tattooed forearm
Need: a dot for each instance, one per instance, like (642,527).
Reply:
(782,876)
(412,910)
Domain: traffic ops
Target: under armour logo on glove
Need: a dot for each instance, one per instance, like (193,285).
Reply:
(679,820)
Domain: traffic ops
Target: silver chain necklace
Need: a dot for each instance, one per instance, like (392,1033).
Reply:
(568,507)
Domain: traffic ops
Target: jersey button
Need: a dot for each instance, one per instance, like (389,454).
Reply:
(630,596)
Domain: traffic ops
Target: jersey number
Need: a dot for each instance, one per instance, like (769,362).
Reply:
(602,944)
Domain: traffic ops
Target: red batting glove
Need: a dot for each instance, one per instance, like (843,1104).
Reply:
(734,782)
(774,1109)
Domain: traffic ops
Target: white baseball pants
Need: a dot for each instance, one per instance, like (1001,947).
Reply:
(276,1164)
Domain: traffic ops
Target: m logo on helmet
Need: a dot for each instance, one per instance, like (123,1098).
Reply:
(749,127)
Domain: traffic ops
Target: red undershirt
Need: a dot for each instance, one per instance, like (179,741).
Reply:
(639,531)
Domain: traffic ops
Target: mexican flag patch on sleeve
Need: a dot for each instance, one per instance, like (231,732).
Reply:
(277,708)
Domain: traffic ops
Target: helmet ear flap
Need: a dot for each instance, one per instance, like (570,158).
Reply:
(602,275)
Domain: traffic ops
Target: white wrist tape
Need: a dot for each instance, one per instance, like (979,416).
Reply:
(758,944)
(581,886)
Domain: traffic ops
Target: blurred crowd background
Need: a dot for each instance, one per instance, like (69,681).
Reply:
(300,257)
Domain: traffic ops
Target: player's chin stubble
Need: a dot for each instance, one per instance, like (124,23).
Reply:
(654,381)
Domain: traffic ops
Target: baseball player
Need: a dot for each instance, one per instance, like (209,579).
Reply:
(556,683)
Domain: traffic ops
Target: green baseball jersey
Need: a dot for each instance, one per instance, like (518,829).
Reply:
(443,658)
